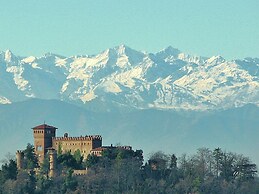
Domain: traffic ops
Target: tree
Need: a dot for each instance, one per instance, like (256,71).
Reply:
(70,183)
(217,156)
(91,160)
(227,166)
(159,161)
(173,162)
(9,170)
(203,163)
(30,158)
(78,157)
(44,168)
(59,152)
(244,169)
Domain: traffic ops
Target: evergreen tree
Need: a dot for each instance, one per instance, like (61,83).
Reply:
(30,158)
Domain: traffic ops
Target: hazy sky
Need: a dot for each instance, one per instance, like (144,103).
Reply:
(204,27)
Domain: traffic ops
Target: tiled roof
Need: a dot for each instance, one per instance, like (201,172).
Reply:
(99,149)
(44,126)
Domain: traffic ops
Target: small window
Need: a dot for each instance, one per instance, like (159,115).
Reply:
(39,148)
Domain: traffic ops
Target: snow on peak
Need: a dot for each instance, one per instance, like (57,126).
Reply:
(8,56)
(121,49)
(29,59)
(169,51)
(4,100)
(216,59)
(125,50)
(132,78)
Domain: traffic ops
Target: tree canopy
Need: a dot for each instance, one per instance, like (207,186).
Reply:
(123,171)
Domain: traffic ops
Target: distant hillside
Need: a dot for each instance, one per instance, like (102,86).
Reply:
(151,130)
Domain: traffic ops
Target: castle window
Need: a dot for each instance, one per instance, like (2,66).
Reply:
(39,148)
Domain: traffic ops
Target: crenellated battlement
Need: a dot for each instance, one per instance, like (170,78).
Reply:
(86,138)
(19,151)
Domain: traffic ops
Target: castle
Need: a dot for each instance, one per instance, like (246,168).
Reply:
(46,142)
(45,139)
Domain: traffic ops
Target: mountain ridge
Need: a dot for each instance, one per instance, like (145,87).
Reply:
(168,79)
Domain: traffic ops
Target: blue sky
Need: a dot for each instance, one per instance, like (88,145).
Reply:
(204,27)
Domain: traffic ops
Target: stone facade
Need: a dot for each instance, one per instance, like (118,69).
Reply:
(19,159)
(72,144)
(45,139)
(43,135)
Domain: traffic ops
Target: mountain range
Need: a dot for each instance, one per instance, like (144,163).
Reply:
(168,100)
(125,78)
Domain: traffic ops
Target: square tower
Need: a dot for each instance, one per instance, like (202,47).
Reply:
(43,135)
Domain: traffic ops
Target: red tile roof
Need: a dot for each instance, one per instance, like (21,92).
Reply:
(99,149)
(44,126)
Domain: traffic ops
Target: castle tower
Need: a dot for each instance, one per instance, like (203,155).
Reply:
(43,135)
(19,159)
(52,162)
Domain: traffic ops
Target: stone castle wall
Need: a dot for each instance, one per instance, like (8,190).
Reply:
(72,144)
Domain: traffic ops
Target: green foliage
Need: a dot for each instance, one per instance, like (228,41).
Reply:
(78,157)
(122,171)
(44,168)
(70,182)
(91,160)
(30,158)
(43,184)
(9,170)
(59,152)
(67,160)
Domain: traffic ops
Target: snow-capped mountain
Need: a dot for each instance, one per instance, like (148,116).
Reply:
(129,78)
